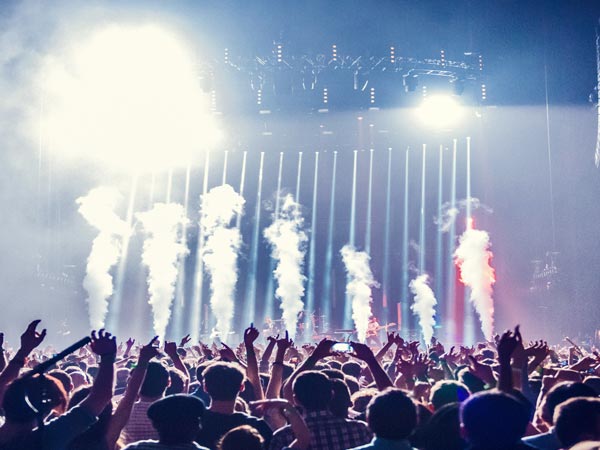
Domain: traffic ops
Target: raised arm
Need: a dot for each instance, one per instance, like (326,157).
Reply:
(30,339)
(250,335)
(507,344)
(276,378)
(322,350)
(171,351)
(391,339)
(121,415)
(105,346)
(364,353)
(266,356)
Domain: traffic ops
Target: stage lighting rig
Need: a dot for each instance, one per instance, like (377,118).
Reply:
(546,273)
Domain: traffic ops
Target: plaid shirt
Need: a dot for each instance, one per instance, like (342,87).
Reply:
(139,426)
(327,433)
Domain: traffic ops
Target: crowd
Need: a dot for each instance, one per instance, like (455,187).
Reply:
(500,395)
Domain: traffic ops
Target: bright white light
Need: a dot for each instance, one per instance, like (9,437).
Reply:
(128,96)
(440,111)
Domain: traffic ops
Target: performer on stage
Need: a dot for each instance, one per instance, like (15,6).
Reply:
(373,332)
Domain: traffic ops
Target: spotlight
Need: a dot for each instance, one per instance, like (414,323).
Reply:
(440,111)
(129,96)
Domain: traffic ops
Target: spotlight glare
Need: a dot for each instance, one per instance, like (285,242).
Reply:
(440,111)
(128,96)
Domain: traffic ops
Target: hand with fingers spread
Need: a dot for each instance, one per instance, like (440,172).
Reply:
(104,344)
(30,338)
(421,365)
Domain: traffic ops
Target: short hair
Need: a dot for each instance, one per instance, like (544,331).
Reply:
(594,383)
(64,378)
(442,432)
(341,400)
(156,380)
(361,399)
(494,419)
(177,382)
(313,390)
(447,391)
(34,391)
(201,367)
(392,415)
(244,436)
(576,420)
(560,393)
(222,380)
(352,368)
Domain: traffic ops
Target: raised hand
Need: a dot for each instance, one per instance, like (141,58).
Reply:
(1,340)
(30,338)
(250,335)
(421,365)
(185,340)
(170,348)
(272,339)
(149,351)
(391,338)
(103,344)
(508,343)
(399,341)
(323,349)
(362,351)
(227,354)
(285,342)
(482,371)
(129,343)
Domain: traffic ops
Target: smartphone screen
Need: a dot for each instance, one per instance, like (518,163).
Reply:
(342,347)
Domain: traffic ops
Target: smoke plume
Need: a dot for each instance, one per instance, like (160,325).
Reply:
(473,258)
(288,239)
(360,282)
(449,213)
(424,305)
(163,248)
(98,209)
(220,251)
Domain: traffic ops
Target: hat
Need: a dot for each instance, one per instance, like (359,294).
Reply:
(176,409)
